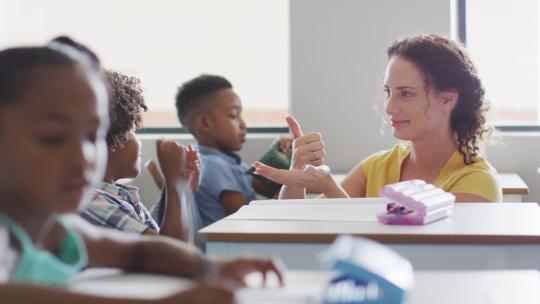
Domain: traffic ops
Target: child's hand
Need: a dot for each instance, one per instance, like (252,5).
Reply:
(285,143)
(171,157)
(317,178)
(204,293)
(308,149)
(178,162)
(193,167)
(237,269)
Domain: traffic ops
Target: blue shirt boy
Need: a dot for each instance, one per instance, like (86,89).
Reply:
(220,172)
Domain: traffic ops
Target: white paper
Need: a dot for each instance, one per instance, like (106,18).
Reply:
(304,287)
(282,296)
(114,283)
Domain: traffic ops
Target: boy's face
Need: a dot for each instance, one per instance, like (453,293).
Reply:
(52,145)
(227,128)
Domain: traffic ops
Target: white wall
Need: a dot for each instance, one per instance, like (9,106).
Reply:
(167,42)
(338,56)
(519,152)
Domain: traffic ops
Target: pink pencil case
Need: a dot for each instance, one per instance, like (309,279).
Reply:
(415,202)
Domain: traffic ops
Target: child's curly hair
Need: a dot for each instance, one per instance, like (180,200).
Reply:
(126,106)
(447,66)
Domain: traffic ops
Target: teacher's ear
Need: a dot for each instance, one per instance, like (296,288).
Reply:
(449,100)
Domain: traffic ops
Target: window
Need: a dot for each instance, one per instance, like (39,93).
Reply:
(167,42)
(503,39)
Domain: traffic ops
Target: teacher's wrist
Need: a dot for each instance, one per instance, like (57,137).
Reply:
(332,189)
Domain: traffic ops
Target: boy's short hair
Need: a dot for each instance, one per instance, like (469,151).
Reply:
(192,96)
(126,106)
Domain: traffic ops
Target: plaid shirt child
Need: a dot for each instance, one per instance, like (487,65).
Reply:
(119,207)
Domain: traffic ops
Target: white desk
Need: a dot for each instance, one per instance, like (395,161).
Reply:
(493,287)
(476,237)
(513,187)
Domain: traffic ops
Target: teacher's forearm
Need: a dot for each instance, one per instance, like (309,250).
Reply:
(292,193)
(334,190)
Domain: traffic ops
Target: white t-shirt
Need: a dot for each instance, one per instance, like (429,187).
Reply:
(8,256)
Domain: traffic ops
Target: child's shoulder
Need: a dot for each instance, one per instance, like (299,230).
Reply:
(222,168)
(214,159)
(218,166)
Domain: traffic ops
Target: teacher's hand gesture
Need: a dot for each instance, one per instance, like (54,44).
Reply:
(308,149)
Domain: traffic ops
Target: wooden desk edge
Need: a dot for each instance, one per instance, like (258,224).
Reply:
(383,238)
(518,191)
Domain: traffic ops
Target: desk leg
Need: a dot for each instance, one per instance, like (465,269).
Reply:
(512,198)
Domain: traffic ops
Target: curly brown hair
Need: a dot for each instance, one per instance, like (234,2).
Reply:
(126,106)
(448,67)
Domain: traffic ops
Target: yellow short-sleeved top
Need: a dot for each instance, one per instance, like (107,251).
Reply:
(478,178)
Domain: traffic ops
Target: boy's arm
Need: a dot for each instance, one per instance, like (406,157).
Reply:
(131,252)
(232,200)
(164,255)
(170,160)
(224,185)
(171,225)
(263,189)
(179,164)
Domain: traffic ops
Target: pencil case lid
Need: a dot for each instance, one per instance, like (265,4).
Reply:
(419,196)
